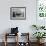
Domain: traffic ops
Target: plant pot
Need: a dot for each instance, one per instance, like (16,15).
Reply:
(40,40)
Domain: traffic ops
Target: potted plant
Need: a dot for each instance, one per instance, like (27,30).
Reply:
(39,35)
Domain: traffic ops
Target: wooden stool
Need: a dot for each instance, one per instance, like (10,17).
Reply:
(8,34)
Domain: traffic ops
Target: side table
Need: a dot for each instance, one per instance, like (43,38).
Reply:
(8,34)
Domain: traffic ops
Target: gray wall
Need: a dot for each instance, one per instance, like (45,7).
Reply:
(24,25)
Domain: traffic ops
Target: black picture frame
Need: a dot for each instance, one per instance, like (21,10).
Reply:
(17,13)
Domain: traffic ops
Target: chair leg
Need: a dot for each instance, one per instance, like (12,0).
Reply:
(5,43)
(5,40)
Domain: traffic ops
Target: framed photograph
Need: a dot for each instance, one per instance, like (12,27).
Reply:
(41,12)
(41,9)
(18,13)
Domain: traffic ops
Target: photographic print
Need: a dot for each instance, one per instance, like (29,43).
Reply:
(18,13)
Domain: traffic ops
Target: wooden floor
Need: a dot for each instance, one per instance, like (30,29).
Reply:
(13,44)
